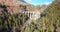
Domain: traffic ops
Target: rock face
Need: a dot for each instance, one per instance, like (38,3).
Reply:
(12,6)
(12,2)
(14,9)
(16,6)
(57,0)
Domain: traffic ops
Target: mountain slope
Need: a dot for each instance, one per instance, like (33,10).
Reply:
(50,22)
(16,6)
(22,1)
(52,18)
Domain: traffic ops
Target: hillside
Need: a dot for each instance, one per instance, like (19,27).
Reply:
(16,6)
(11,16)
(12,19)
(51,22)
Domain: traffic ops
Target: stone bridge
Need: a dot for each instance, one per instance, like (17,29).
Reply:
(32,14)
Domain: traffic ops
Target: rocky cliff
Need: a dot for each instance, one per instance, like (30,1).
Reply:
(14,6)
